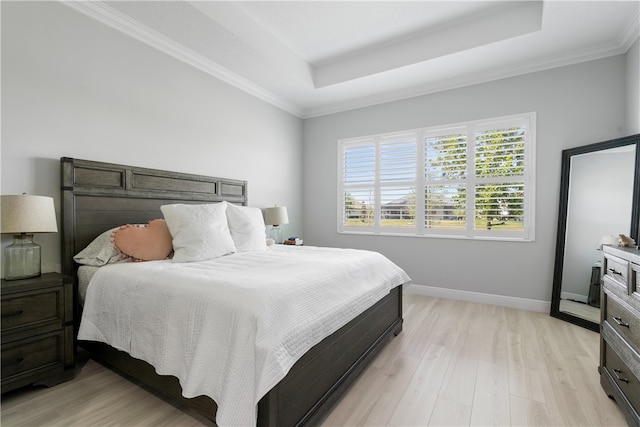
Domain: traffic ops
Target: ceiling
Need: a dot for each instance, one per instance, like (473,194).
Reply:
(312,58)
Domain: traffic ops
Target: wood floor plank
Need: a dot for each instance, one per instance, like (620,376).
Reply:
(449,413)
(524,377)
(419,398)
(494,347)
(459,382)
(455,363)
(398,374)
(529,413)
(555,409)
(491,396)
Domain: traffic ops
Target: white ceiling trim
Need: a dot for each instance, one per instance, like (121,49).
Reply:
(630,32)
(499,25)
(121,22)
(600,52)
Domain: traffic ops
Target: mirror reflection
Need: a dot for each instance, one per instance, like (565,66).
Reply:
(599,200)
(598,209)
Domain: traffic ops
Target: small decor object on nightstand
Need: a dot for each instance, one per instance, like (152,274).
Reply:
(23,215)
(294,241)
(276,216)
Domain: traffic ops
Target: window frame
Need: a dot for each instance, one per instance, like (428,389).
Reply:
(528,120)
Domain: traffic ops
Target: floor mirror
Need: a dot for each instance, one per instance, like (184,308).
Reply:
(599,199)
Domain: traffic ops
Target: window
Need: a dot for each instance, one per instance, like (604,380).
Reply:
(470,180)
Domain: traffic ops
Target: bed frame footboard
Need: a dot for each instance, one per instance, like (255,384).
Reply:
(325,372)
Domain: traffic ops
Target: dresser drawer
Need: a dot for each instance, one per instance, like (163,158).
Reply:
(624,319)
(616,268)
(623,377)
(32,309)
(42,352)
(634,278)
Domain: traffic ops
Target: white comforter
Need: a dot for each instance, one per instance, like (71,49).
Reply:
(232,327)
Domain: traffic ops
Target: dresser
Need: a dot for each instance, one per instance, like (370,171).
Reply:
(37,331)
(620,329)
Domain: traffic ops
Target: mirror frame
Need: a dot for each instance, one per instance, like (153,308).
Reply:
(562,218)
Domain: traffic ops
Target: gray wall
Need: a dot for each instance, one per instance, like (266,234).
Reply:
(74,87)
(633,89)
(575,105)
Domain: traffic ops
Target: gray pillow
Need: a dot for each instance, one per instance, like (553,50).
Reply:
(101,251)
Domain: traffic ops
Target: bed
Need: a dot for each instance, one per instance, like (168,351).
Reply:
(100,196)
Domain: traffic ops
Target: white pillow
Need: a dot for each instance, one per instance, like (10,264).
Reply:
(199,232)
(247,228)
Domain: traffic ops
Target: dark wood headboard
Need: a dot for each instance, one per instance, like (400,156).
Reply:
(98,196)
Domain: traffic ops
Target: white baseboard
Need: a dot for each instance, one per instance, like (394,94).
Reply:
(504,301)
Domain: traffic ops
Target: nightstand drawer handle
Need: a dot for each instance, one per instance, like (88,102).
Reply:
(619,322)
(15,313)
(615,272)
(18,361)
(618,372)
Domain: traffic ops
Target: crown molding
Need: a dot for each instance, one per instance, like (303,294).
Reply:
(630,32)
(119,21)
(599,52)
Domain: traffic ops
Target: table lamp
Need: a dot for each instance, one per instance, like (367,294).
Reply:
(23,215)
(276,216)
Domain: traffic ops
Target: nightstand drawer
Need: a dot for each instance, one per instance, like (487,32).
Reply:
(623,319)
(32,354)
(32,309)
(37,331)
(623,377)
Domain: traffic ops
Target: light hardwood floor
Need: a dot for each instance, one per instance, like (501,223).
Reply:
(455,363)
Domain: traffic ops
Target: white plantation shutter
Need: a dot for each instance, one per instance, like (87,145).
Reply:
(397,177)
(358,176)
(445,173)
(378,183)
(359,164)
(500,179)
(469,180)
(499,152)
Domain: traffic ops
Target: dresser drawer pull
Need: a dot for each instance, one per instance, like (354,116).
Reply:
(15,313)
(618,320)
(618,372)
(18,361)
(613,271)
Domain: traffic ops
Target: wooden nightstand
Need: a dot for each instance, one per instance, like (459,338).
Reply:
(37,331)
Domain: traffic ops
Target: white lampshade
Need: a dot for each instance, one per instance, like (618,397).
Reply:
(276,215)
(28,214)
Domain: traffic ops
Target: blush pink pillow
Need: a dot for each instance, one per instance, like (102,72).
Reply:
(144,243)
